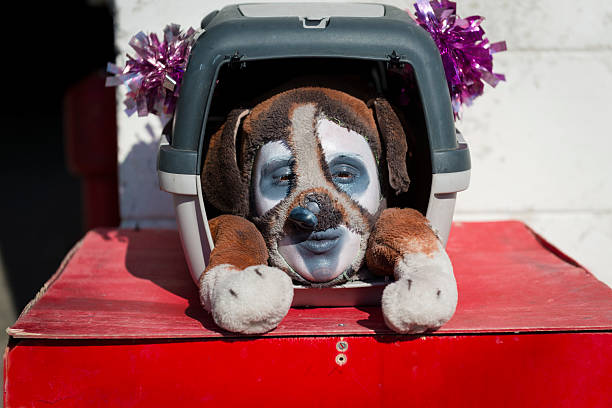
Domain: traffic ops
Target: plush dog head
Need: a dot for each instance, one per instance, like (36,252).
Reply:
(310,167)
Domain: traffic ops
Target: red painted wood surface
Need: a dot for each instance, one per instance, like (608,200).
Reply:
(120,325)
(503,370)
(135,284)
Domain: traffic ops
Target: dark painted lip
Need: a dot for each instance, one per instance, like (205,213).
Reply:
(322,241)
(325,235)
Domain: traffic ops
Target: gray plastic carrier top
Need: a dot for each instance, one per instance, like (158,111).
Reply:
(239,34)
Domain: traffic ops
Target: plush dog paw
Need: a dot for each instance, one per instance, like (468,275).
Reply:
(423,297)
(250,301)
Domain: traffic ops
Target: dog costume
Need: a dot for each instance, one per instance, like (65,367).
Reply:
(301,179)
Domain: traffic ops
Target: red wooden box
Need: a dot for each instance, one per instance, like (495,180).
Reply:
(120,325)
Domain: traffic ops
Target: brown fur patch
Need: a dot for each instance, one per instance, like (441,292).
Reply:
(357,106)
(222,182)
(396,233)
(394,143)
(237,242)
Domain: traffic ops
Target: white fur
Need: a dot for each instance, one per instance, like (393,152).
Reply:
(250,301)
(424,296)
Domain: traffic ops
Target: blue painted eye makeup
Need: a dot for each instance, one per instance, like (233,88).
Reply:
(349,174)
(345,174)
(276,177)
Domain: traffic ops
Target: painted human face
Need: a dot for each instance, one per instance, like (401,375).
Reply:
(323,231)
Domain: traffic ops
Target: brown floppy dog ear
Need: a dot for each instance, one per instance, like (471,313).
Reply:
(222,182)
(394,144)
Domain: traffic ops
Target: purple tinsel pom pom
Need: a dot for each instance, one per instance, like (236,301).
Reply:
(154,77)
(466,53)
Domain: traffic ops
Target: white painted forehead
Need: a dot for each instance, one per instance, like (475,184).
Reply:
(271,151)
(336,139)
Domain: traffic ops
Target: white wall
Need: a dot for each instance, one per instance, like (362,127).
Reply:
(541,144)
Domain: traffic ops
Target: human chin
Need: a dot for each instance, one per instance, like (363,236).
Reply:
(321,256)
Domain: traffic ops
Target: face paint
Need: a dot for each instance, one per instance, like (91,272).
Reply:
(286,204)
(272,175)
(321,256)
(351,163)
(349,174)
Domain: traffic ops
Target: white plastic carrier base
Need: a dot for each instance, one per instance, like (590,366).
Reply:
(197,241)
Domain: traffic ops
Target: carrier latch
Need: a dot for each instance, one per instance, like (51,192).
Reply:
(236,61)
(394,61)
(314,22)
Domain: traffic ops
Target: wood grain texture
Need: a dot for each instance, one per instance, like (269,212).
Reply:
(127,284)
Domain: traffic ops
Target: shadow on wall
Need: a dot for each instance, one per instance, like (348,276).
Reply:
(142,203)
